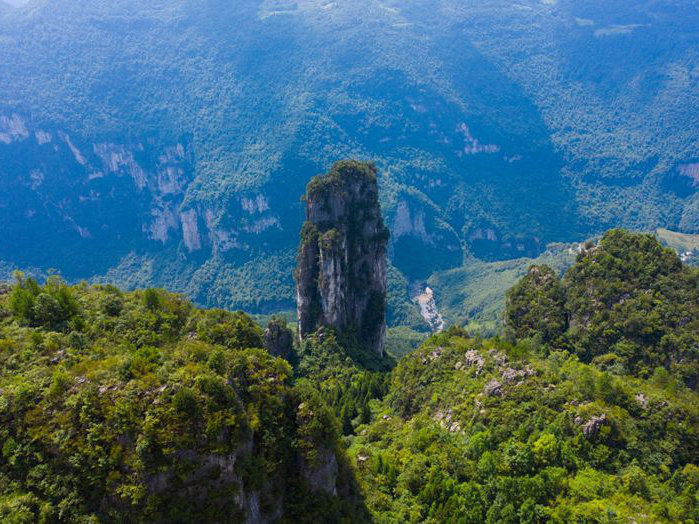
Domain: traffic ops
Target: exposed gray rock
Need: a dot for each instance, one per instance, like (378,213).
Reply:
(322,475)
(341,272)
(164,220)
(190,230)
(436,353)
(428,309)
(255,204)
(278,339)
(263,224)
(446,420)
(493,388)
(215,473)
(410,224)
(642,400)
(592,427)
(12,128)
(107,389)
(116,158)
(362,457)
(474,359)
(512,376)
(498,356)
(42,137)
(59,356)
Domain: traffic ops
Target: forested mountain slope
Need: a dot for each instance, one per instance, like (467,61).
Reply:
(487,431)
(138,407)
(627,304)
(168,142)
(587,411)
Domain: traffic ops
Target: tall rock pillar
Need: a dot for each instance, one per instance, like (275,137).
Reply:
(341,272)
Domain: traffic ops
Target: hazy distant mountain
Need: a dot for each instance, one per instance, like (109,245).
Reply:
(169,142)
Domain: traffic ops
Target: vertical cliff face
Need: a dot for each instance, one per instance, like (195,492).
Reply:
(341,273)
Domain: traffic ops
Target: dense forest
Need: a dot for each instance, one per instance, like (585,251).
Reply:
(165,143)
(140,407)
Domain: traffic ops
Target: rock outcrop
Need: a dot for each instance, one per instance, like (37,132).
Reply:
(341,273)
(428,308)
(279,339)
(592,427)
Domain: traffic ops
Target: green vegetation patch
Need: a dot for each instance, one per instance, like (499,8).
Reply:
(487,431)
(139,407)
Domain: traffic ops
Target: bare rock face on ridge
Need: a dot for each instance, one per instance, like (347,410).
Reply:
(279,339)
(341,272)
